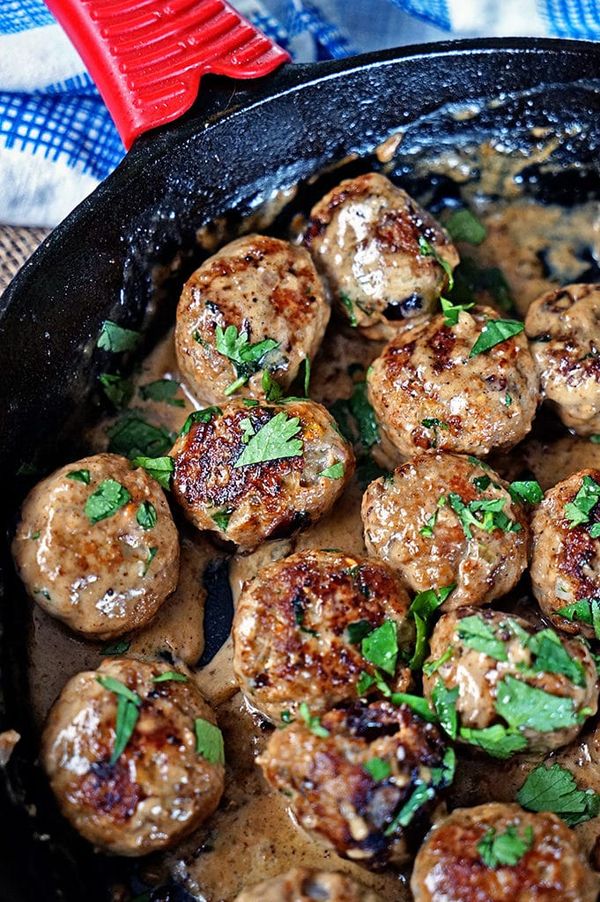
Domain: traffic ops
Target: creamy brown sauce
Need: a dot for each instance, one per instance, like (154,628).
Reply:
(252,837)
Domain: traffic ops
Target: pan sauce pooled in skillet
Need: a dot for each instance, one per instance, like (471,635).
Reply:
(249,838)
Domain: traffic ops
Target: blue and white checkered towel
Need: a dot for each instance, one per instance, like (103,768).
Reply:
(56,137)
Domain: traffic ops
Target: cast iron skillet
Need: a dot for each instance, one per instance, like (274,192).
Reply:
(232,150)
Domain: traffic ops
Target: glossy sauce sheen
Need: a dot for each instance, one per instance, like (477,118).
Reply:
(251,837)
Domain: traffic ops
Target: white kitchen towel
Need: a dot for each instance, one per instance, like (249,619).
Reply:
(57,141)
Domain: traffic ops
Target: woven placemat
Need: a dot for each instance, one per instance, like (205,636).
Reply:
(16,245)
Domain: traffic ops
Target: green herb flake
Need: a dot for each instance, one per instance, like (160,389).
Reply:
(335,471)
(555,789)
(307,369)
(160,468)
(146,515)
(128,704)
(526,707)
(552,657)
(475,633)
(430,524)
(595,439)
(463,225)
(578,511)
(420,796)
(35,535)
(528,490)
(200,416)
(209,741)
(80,476)
(120,647)
(586,610)
(428,250)
(507,400)
(494,332)
(504,849)
(380,647)
(452,311)
(378,769)
(416,703)
(349,307)
(491,511)
(444,701)
(117,389)
(132,436)
(109,497)
(312,721)
(273,441)
(498,741)
(430,667)
(422,609)
(286,717)
(357,631)
(150,557)
(115,338)
(247,358)
(434,423)
(172,676)
(221,519)
(163,390)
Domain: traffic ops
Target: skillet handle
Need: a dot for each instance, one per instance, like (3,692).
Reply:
(147,56)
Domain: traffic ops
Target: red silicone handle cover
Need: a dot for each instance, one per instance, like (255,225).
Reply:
(147,57)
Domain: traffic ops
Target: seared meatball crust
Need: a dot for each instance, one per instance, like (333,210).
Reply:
(411,521)
(427,392)
(266,289)
(101,577)
(292,630)
(160,788)
(307,885)
(365,239)
(564,329)
(449,866)
(482,653)
(565,564)
(249,503)
(334,797)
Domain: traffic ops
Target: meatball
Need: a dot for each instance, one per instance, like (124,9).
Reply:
(250,473)
(564,329)
(363,780)
(134,756)
(379,252)
(256,305)
(305,885)
(446,520)
(298,629)
(513,688)
(428,390)
(96,546)
(565,564)
(501,853)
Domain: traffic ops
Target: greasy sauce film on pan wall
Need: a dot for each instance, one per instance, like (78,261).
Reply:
(530,247)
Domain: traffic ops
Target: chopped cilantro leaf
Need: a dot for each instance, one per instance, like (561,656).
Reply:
(528,490)
(426,249)
(162,390)
(579,509)
(555,789)
(312,721)
(357,631)
(221,519)
(349,307)
(132,436)
(378,769)
(200,416)
(416,703)
(422,609)
(452,311)
(526,707)
(160,468)
(380,647)
(109,497)
(146,515)
(273,441)
(247,358)
(498,741)
(420,795)
(335,471)
(128,704)
(115,338)
(120,647)
(79,476)
(118,390)
(586,610)
(209,741)
(152,552)
(494,332)
(430,523)
(504,849)
(552,657)
(477,634)
(444,701)
(463,225)
(430,667)
(172,676)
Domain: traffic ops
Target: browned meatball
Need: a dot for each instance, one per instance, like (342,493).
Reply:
(565,566)
(298,629)
(564,329)
(429,392)
(363,780)
(442,520)
(305,885)
(97,547)
(251,473)
(133,792)
(378,250)
(256,305)
(501,853)
(533,689)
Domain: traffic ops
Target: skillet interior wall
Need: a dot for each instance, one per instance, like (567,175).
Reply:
(99,265)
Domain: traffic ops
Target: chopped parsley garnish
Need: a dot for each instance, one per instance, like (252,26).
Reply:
(491,509)
(528,490)
(172,676)
(222,518)
(306,376)
(526,707)
(428,250)
(444,701)
(120,647)
(579,509)
(117,389)
(128,704)
(132,436)
(586,610)
(312,721)
(115,338)
(416,703)
(552,657)
(463,225)
(349,307)
(380,647)
(422,793)
(363,428)
(494,332)
(504,849)
(200,416)
(286,717)
(430,667)
(335,471)
(160,468)
(109,497)
(452,311)
(422,609)
(151,555)
(555,789)
(507,400)
(299,614)
(162,390)
(476,633)
(430,523)
(378,769)
(248,430)
(209,741)
(434,424)
(35,535)
(272,389)
(79,476)
(146,515)
(357,631)
(595,439)
(273,441)
(247,358)
(498,741)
